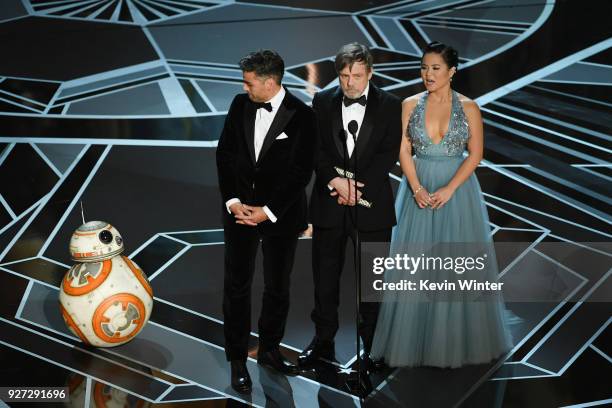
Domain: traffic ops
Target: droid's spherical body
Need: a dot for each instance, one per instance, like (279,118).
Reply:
(106,302)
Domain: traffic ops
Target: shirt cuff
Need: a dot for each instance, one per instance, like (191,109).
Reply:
(230,202)
(269,213)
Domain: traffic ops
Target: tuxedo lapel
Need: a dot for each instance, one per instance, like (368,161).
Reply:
(337,127)
(369,119)
(282,117)
(249,128)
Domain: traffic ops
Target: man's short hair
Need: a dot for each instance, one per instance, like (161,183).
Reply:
(351,53)
(265,63)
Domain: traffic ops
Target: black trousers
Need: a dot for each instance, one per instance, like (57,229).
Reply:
(241,244)
(328,256)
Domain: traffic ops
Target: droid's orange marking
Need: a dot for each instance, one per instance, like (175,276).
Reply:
(139,274)
(84,234)
(125,299)
(100,397)
(85,254)
(70,323)
(92,283)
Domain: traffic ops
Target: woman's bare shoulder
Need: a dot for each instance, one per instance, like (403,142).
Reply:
(410,102)
(469,105)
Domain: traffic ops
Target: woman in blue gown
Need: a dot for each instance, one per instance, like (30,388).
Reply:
(439,201)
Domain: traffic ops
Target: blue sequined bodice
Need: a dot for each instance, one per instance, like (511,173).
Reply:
(454,141)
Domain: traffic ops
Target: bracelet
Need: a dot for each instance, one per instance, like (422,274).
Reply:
(417,191)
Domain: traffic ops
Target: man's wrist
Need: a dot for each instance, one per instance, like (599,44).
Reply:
(231,202)
(269,213)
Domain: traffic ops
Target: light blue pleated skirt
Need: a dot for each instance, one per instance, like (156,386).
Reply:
(435,332)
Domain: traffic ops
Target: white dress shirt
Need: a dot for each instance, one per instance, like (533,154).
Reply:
(263,121)
(354,112)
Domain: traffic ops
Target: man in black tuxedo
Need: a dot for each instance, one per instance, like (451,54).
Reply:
(333,206)
(265,159)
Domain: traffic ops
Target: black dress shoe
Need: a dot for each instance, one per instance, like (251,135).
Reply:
(316,349)
(241,380)
(275,360)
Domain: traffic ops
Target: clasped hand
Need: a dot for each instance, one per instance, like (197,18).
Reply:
(434,200)
(344,189)
(248,215)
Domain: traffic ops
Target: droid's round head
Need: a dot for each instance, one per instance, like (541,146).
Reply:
(95,241)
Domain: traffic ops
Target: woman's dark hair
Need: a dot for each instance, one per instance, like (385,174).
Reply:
(265,63)
(351,53)
(448,53)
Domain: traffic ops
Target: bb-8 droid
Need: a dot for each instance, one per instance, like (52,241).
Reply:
(105,299)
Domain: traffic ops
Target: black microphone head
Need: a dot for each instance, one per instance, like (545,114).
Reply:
(353,126)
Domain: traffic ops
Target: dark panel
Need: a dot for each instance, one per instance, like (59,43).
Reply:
(546,205)
(194,97)
(23,102)
(32,239)
(604,57)
(404,74)
(604,341)
(191,128)
(9,107)
(41,270)
(415,34)
(162,189)
(200,237)
(336,5)
(525,150)
(571,145)
(190,392)
(381,81)
(90,10)
(5,217)
(39,373)
(597,92)
(25,177)
(108,12)
(583,382)
(81,361)
(565,110)
(9,234)
(11,298)
(37,90)
(156,254)
(383,56)
(57,110)
(378,40)
(566,190)
(149,15)
(70,43)
(494,72)
(591,103)
(113,88)
(125,14)
(506,220)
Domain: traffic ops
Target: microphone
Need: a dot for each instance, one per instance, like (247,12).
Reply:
(352,128)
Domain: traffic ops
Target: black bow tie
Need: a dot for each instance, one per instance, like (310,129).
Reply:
(362,100)
(261,105)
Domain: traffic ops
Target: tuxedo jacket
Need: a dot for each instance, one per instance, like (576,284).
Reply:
(375,154)
(283,169)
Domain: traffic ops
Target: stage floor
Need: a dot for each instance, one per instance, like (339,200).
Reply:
(118,105)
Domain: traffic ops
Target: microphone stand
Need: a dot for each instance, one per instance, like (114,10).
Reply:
(358,384)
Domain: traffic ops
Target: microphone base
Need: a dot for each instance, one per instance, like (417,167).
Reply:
(359,385)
